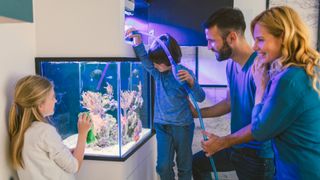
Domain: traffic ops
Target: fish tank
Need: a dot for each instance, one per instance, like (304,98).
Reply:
(115,92)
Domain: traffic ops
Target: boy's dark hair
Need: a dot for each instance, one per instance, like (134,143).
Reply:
(157,54)
(227,19)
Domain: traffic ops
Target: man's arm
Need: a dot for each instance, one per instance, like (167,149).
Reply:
(219,109)
(216,143)
(242,136)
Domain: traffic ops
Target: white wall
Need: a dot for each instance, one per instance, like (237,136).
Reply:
(308,10)
(17,46)
(80,28)
(250,9)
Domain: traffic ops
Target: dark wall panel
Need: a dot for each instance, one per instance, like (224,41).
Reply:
(183,18)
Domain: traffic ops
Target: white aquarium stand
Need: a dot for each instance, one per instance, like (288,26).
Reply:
(139,166)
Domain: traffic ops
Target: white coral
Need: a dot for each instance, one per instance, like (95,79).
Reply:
(105,125)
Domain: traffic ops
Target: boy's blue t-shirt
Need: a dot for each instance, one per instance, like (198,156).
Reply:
(290,114)
(171,100)
(242,93)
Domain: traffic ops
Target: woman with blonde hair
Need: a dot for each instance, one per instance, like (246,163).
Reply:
(37,151)
(287,103)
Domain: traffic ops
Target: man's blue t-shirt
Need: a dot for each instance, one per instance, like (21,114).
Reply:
(242,93)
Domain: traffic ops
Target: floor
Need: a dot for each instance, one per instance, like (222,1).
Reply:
(219,126)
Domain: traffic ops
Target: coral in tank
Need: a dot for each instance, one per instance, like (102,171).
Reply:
(131,102)
(105,127)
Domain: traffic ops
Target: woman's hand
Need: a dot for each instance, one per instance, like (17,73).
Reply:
(137,40)
(261,79)
(186,76)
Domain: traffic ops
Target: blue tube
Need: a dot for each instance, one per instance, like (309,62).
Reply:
(175,70)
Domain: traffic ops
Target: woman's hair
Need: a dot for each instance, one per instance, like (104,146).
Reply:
(30,92)
(284,22)
(158,55)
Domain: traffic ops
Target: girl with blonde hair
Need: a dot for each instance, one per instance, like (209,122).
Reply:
(37,151)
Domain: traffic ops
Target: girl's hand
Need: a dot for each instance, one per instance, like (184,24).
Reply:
(137,40)
(84,123)
(261,79)
(186,76)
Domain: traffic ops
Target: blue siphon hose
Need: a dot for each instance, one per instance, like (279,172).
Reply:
(195,104)
(175,69)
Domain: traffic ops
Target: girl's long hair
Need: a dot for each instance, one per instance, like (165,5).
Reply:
(30,92)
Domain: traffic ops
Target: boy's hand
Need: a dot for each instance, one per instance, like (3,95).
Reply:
(185,76)
(136,37)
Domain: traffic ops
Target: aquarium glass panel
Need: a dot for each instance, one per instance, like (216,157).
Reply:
(116,95)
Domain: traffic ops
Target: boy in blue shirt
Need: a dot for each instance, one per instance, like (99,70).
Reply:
(173,119)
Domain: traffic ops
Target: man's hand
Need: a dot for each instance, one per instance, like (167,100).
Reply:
(213,144)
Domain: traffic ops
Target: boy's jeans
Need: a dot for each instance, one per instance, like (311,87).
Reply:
(173,139)
(245,162)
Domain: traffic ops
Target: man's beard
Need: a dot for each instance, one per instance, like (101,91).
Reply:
(224,53)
